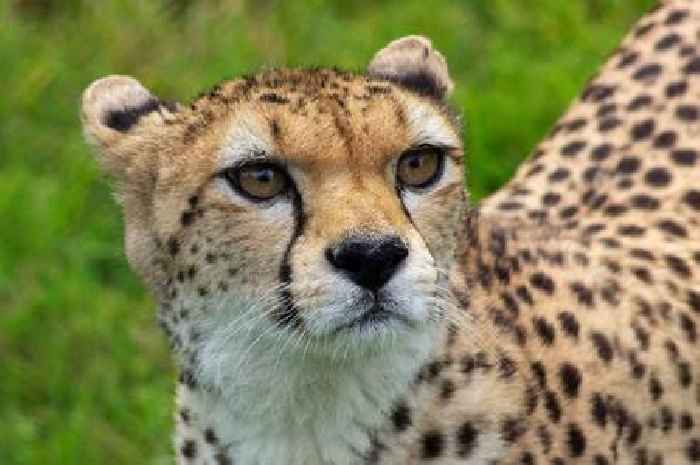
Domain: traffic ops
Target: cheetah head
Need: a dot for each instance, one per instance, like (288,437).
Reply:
(291,211)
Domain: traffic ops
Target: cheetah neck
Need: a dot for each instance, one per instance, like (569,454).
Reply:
(301,408)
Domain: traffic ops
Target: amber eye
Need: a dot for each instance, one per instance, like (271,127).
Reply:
(260,181)
(420,168)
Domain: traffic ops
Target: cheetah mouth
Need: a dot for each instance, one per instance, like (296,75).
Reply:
(377,316)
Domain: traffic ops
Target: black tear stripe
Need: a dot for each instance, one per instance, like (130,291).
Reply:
(399,193)
(287,315)
(126,118)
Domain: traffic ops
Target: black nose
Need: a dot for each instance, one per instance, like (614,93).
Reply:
(369,260)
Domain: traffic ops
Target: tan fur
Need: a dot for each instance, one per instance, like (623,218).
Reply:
(570,331)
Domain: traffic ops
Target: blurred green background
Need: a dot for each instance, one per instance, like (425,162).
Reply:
(85,377)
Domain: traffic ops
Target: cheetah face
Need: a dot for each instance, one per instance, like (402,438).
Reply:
(356,249)
(293,206)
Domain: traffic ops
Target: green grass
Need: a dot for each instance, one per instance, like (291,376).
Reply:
(85,377)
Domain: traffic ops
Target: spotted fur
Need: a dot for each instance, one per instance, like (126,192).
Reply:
(555,323)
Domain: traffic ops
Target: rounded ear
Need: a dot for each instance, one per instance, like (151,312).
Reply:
(111,108)
(412,62)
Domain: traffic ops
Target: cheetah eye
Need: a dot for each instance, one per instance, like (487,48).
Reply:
(419,168)
(258,181)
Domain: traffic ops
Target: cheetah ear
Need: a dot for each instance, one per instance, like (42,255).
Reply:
(113,108)
(412,62)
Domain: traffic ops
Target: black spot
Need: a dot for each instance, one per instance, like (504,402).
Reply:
(676,16)
(686,421)
(568,212)
(512,429)
(642,274)
(693,450)
(576,441)
(644,202)
(583,294)
(599,92)
(551,404)
(539,373)
(687,50)
(551,198)
(559,174)
(576,124)
(600,460)
(274,128)
(602,345)
(524,295)
(590,173)
(628,165)
(609,123)
(606,110)
(599,410)
(510,206)
(544,330)
(673,228)
(433,444)
(693,66)
(640,102)
(273,98)
(678,265)
(685,377)
(187,218)
(601,152)
(527,458)
(173,246)
(669,40)
(401,417)
(676,89)
(656,390)
(643,129)
(635,432)
(688,113)
(467,439)
(628,59)
(545,438)
(615,209)
(209,436)
(542,282)
(684,157)
(688,326)
(189,449)
(447,389)
(506,367)
(125,119)
(658,177)
(644,29)
(573,148)
(665,140)
(647,72)
(570,379)
(569,324)
(631,230)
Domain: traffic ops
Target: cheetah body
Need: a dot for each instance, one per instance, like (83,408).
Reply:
(567,302)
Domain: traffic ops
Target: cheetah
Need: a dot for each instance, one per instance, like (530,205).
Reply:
(331,298)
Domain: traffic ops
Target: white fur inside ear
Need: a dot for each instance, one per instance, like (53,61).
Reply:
(412,62)
(115,103)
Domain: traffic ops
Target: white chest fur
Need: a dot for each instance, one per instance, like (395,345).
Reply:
(300,409)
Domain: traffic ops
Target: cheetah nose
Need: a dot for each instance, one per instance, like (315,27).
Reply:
(368,260)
